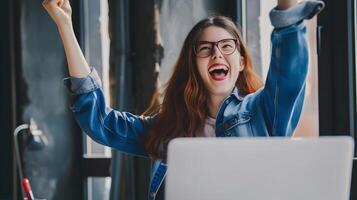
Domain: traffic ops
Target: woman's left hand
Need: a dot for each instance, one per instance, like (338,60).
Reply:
(285,4)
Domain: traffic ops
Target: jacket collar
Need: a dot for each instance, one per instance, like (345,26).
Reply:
(235,93)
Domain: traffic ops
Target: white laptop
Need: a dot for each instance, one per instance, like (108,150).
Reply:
(259,168)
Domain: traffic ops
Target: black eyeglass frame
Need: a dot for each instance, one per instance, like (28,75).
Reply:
(214,44)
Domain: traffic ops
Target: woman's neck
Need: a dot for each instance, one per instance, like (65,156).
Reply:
(214,103)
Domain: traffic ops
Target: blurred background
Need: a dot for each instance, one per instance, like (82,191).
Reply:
(134,45)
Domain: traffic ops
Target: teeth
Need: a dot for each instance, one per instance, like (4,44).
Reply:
(218,67)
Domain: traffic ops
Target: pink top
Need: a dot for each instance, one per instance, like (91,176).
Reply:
(209,128)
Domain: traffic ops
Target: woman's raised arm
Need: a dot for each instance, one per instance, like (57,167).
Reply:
(60,11)
(283,95)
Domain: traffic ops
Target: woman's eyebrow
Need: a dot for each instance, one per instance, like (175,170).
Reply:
(205,41)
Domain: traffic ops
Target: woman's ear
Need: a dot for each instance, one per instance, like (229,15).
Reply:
(241,63)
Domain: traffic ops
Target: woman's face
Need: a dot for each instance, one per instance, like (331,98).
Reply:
(219,70)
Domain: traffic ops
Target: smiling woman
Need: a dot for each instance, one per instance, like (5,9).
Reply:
(204,76)
(213,90)
(223,61)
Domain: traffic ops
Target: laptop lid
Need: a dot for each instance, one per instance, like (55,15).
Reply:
(259,168)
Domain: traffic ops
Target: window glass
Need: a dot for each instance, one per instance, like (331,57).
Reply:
(96,50)
(98,188)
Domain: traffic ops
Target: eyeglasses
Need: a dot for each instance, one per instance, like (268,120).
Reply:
(203,49)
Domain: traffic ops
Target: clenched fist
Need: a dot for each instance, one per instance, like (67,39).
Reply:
(59,10)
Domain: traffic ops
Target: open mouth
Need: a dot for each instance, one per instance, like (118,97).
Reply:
(218,72)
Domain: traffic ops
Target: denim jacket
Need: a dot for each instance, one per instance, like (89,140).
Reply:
(273,110)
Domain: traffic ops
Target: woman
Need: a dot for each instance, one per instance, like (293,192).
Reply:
(213,91)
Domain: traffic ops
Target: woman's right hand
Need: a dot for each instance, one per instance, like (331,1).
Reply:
(59,10)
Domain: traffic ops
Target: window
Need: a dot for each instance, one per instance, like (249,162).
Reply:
(257,34)
(95,44)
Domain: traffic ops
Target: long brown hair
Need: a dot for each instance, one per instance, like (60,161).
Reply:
(184,107)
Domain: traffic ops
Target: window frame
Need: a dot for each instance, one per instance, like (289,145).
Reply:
(93,166)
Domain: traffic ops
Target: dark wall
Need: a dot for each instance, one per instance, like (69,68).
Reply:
(54,172)
(5,108)
(337,74)
(133,65)
(336,71)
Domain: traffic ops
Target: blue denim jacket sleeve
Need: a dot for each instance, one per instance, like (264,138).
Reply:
(283,94)
(120,130)
(304,10)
